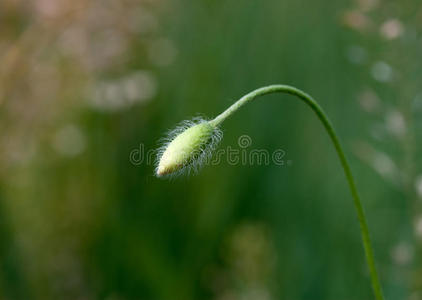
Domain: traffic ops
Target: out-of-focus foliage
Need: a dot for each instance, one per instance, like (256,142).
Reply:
(86,87)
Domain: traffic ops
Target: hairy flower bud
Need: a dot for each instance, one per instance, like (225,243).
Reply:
(187,147)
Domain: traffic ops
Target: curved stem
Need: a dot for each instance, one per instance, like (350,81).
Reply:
(330,130)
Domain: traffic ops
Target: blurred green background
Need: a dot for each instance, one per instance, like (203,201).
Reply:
(84,84)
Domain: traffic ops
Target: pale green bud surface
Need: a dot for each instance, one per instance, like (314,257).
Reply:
(185,148)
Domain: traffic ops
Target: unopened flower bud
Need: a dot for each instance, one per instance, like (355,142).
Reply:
(187,148)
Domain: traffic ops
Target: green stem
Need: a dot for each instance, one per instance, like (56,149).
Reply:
(330,130)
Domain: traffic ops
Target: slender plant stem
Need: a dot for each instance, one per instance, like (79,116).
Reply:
(330,130)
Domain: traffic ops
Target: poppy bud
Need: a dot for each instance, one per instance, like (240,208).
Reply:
(187,148)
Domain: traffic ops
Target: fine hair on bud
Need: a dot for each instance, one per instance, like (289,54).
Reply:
(187,148)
